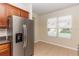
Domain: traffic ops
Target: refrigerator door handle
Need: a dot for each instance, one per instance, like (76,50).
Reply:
(25,36)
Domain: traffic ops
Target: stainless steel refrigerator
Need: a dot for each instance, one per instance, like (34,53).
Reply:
(22,36)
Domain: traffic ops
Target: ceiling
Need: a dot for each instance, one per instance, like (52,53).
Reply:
(43,8)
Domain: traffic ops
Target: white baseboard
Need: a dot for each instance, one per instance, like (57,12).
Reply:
(35,41)
(59,45)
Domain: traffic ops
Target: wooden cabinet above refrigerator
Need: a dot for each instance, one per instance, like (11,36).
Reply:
(11,10)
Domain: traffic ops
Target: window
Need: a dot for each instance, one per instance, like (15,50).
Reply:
(64,24)
(52,27)
(60,26)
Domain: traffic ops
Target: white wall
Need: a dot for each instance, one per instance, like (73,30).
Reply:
(37,27)
(24,6)
(69,43)
(3,32)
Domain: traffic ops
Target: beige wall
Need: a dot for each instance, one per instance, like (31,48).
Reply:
(69,43)
(36,27)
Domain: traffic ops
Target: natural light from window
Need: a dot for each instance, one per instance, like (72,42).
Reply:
(60,26)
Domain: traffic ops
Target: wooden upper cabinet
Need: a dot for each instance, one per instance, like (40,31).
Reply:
(24,14)
(11,10)
(8,10)
(3,17)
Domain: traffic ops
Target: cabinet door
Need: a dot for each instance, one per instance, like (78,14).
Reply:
(5,49)
(24,14)
(11,10)
(3,18)
(6,52)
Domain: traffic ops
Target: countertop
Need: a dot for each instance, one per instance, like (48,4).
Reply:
(6,41)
